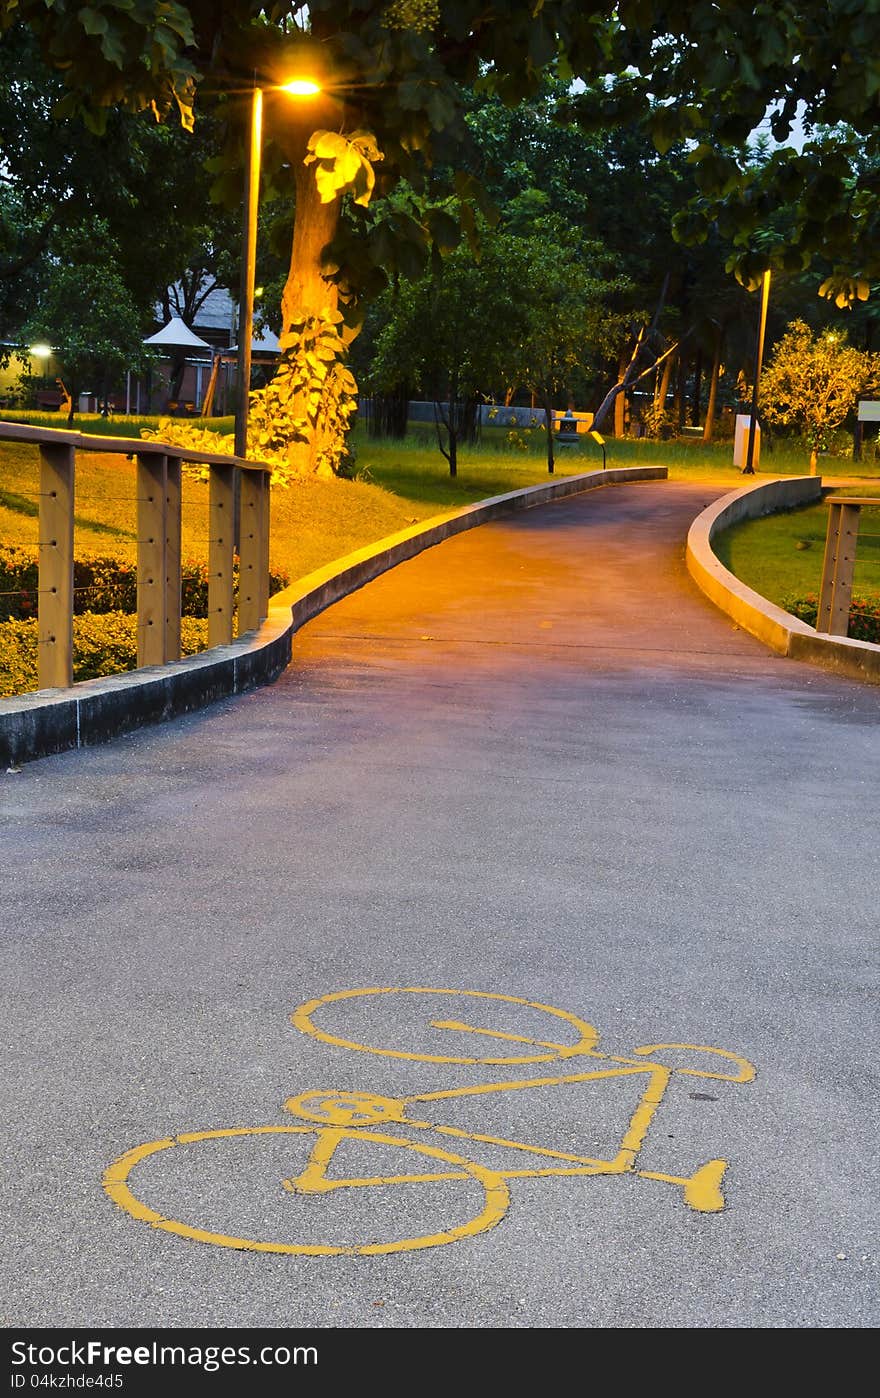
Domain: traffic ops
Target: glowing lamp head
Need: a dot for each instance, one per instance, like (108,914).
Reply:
(41,351)
(301,87)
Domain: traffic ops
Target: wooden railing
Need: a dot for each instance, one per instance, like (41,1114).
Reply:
(839,564)
(158,495)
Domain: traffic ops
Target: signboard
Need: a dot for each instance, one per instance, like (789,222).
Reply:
(869,410)
(741,441)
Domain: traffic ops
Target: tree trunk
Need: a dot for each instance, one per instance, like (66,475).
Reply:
(452,454)
(663,391)
(548,422)
(678,403)
(620,400)
(713,386)
(178,369)
(307,291)
(449,421)
(814,462)
(698,384)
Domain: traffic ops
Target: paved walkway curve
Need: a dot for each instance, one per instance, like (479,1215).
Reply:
(532,763)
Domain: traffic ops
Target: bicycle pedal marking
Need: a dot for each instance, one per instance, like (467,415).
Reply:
(333,1122)
(346,1108)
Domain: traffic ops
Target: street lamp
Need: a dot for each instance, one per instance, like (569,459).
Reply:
(749,468)
(296,87)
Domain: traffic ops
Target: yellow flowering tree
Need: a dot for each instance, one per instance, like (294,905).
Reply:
(812,383)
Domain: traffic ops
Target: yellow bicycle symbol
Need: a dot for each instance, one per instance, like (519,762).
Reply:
(337,1124)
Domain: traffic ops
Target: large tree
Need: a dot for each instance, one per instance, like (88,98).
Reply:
(87,313)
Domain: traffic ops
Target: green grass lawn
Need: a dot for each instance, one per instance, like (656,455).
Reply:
(415,465)
(781,556)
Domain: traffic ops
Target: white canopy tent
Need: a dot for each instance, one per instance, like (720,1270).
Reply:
(177,335)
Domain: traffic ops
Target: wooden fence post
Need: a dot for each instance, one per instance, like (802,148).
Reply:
(838,566)
(152,567)
(172,558)
(220,552)
(264,544)
(250,562)
(55,610)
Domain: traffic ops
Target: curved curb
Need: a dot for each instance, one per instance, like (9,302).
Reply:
(94,711)
(777,628)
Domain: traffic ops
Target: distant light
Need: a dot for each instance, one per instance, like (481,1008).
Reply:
(40,351)
(259,290)
(301,87)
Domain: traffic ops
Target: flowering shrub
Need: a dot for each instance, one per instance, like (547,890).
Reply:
(864,614)
(103,644)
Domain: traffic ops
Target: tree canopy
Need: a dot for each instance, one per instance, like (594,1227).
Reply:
(706,71)
(398,81)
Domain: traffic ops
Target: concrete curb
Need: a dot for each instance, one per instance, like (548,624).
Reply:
(777,628)
(94,711)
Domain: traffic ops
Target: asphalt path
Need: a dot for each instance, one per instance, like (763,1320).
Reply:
(533,763)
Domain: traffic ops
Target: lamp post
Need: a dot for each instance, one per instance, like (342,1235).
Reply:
(749,468)
(297,87)
(248,268)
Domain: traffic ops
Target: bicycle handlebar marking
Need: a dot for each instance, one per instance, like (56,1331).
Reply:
(335,1118)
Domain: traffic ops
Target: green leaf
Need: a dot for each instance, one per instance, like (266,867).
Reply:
(664,129)
(441,111)
(445,230)
(327,145)
(411,95)
(92,21)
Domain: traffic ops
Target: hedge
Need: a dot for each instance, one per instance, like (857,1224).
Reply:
(101,584)
(104,644)
(864,614)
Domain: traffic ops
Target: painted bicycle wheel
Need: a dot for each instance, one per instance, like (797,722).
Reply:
(166,1184)
(520,1032)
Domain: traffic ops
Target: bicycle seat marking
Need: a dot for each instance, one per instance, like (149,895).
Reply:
(308,1164)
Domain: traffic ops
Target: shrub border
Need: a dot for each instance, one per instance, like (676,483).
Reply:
(777,628)
(94,711)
